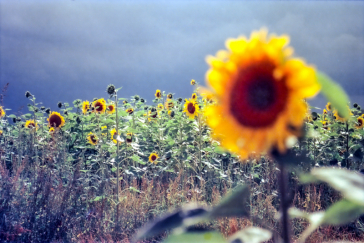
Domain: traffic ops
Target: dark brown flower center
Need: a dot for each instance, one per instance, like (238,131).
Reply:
(31,125)
(191,108)
(55,121)
(93,138)
(360,121)
(154,157)
(111,108)
(257,97)
(98,106)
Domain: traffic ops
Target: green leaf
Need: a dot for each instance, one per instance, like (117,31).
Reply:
(133,189)
(334,94)
(234,205)
(342,212)
(349,183)
(206,237)
(98,198)
(136,158)
(251,235)
(11,116)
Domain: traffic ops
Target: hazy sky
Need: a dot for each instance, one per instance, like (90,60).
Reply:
(64,50)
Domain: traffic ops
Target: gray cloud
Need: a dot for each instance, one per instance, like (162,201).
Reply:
(63,50)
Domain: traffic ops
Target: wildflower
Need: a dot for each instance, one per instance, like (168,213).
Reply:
(171,113)
(99,106)
(194,96)
(359,123)
(328,106)
(51,130)
(160,106)
(85,106)
(339,118)
(191,108)
(59,104)
(30,124)
(92,138)
(153,158)
(115,136)
(158,94)
(169,104)
(193,82)
(130,110)
(110,108)
(129,137)
(28,94)
(110,89)
(55,120)
(2,112)
(169,96)
(260,90)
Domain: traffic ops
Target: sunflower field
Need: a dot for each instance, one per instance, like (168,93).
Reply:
(245,160)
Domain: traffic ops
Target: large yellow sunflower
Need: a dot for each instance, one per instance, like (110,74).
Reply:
(55,120)
(2,112)
(99,105)
(31,124)
(359,122)
(110,108)
(259,89)
(92,138)
(85,106)
(153,158)
(191,108)
(158,94)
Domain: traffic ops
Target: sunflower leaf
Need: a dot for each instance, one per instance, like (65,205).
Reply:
(334,94)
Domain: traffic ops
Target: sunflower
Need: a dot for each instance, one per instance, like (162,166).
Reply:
(191,108)
(171,113)
(2,112)
(339,118)
(193,82)
(359,123)
(152,115)
(129,137)
(99,106)
(153,158)
(169,96)
(30,124)
(51,130)
(325,125)
(328,106)
(160,106)
(110,108)
(92,138)
(194,96)
(85,106)
(1,132)
(114,132)
(55,120)
(158,94)
(130,110)
(169,104)
(259,89)
(325,111)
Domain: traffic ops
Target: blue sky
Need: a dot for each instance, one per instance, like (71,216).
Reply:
(64,50)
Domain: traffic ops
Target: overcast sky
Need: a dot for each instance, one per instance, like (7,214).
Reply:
(64,50)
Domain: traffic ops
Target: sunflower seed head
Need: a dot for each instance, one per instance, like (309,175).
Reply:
(28,94)
(110,89)
(59,104)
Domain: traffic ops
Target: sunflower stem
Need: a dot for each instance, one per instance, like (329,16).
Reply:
(283,182)
(117,164)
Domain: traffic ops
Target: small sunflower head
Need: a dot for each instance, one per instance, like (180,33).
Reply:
(59,104)
(129,137)
(51,130)
(153,158)
(77,102)
(325,111)
(355,105)
(125,102)
(42,108)
(153,109)
(136,97)
(169,96)
(191,108)
(193,82)
(328,106)
(130,110)
(359,123)
(1,132)
(85,106)
(18,119)
(114,134)
(179,100)
(146,108)
(14,119)
(171,113)
(92,138)
(2,112)
(65,112)
(110,89)
(160,106)
(142,100)
(48,111)
(99,106)
(158,94)
(30,124)
(28,94)
(110,109)
(169,104)
(194,96)
(55,120)
(358,107)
